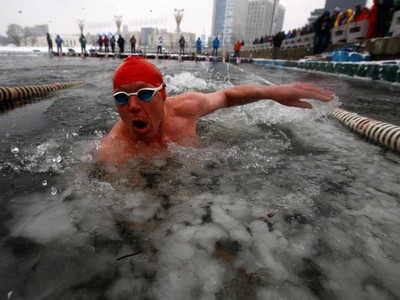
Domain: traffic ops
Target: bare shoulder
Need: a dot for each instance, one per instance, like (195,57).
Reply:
(193,104)
(184,103)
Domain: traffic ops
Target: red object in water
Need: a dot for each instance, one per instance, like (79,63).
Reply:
(270,214)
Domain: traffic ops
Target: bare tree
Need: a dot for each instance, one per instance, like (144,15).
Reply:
(33,40)
(26,36)
(15,34)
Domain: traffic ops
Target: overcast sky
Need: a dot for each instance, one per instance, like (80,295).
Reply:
(62,15)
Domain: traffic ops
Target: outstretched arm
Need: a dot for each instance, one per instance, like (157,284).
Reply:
(286,94)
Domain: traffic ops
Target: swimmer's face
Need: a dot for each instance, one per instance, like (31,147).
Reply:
(143,119)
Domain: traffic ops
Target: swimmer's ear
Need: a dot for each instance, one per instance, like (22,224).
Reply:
(164,91)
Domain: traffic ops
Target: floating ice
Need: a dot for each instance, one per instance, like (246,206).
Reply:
(14,150)
(53,190)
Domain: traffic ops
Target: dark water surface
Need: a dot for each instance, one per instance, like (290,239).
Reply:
(276,203)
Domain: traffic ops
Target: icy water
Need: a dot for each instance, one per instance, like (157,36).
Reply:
(275,203)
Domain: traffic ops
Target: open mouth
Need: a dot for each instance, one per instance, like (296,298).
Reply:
(139,124)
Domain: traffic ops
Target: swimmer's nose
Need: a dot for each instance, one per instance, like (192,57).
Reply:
(134,103)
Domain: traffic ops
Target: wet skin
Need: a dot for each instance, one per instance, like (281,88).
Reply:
(146,128)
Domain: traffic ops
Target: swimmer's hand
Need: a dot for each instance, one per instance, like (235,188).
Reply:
(291,94)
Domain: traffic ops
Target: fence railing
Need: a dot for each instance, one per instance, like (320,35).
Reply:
(351,33)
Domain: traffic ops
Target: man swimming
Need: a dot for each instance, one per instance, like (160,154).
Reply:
(150,119)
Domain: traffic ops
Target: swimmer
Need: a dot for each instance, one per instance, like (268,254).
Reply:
(150,119)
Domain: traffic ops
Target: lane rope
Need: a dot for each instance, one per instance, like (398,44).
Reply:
(384,134)
(23,92)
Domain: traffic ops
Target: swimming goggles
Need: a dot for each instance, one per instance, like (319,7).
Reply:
(145,94)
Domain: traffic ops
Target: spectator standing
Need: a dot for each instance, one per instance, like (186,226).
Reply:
(159,45)
(322,29)
(364,15)
(373,16)
(215,46)
(396,5)
(121,44)
(335,16)
(357,12)
(133,44)
(198,46)
(106,42)
(82,41)
(278,38)
(182,45)
(237,47)
(49,42)
(384,17)
(59,42)
(348,17)
(112,42)
(100,43)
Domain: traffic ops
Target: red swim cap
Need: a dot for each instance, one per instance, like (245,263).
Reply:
(137,68)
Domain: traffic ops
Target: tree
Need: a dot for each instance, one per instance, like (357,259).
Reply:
(15,33)
(26,36)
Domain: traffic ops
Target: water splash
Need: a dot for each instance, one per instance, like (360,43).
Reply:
(53,190)
(186,81)
(14,150)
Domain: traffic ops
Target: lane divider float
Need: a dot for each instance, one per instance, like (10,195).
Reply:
(384,134)
(22,92)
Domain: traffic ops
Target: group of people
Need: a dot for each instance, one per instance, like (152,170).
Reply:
(379,17)
(58,41)
(107,42)
(216,45)
(102,41)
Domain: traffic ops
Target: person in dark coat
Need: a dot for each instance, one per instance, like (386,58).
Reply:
(133,44)
(383,17)
(112,42)
(121,44)
(49,42)
(322,29)
(182,45)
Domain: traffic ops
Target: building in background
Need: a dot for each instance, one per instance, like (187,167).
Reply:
(147,34)
(38,30)
(279,17)
(343,4)
(229,20)
(264,18)
(315,14)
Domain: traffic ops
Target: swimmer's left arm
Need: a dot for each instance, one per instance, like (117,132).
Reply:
(285,94)
(201,104)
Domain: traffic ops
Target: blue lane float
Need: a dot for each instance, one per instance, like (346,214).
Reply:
(385,70)
(385,134)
